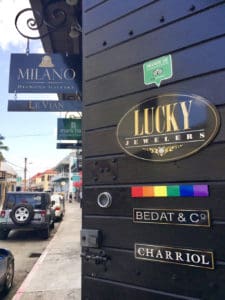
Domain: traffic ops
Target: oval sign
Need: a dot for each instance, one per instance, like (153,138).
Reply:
(168,127)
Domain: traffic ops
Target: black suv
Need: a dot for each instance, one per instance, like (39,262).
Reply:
(23,210)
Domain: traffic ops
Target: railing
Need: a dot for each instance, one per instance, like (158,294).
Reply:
(63,175)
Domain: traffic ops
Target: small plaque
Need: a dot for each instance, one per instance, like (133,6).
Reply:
(157,70)
(163,254)
(172,217)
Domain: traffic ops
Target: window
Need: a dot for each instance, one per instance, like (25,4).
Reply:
(35,200)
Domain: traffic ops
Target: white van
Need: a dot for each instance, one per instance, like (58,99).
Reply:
(58,205)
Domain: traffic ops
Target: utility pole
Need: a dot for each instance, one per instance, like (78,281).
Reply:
(25,174)
(1,138)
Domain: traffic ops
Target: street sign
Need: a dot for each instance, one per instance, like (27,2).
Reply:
(18,179)
(157,70)
(69,145)
(44,105)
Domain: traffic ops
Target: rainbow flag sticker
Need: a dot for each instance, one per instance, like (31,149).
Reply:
(195,190)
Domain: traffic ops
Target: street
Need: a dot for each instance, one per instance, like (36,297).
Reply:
(26,248)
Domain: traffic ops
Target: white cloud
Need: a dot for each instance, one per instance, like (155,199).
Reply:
(8,11)
(39,50)
(8,32)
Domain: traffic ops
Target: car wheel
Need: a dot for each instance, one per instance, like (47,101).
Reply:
(22,214)
(45,233)
(9,276)
(4,234)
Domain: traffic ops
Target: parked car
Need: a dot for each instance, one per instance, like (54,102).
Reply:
(6,270)
(26,210)
(58,204)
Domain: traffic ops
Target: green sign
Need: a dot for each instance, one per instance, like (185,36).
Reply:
(75,177)
(18,179)
(157,70)
(69,129)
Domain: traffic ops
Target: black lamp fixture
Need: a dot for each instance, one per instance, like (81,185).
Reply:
(75,29)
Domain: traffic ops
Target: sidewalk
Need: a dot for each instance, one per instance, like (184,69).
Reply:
(57,273)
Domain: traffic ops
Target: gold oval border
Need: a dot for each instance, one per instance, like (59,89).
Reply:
(196,97)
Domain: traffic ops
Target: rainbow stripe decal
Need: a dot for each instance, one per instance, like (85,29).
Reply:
(196,190)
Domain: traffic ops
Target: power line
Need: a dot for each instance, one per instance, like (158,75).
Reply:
(27,135)
(14,164)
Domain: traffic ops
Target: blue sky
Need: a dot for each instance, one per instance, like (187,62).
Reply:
(27,134)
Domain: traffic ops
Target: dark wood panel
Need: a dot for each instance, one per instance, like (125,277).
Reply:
(196,61)
(88,4)
(197,167)
(123,233)
(94,145)
(101,289)
(186,281)
(110,11)
(166,39)
(109,113)
(210,86)
(123,203)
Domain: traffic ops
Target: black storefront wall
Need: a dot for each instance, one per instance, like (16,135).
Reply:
(136,245)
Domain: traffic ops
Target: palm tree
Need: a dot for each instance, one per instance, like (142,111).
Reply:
(2,147)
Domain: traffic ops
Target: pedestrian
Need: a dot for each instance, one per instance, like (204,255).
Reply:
(70,198)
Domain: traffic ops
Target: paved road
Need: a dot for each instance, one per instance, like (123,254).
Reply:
(27,248)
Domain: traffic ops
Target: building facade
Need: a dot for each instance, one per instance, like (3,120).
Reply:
(7,180)
(67,174)
(42,181)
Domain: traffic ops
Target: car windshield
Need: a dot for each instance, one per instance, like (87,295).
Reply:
(37,201)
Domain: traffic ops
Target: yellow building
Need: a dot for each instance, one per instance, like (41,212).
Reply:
(41,181)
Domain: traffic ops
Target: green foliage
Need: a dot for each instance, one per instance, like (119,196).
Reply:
(2,147)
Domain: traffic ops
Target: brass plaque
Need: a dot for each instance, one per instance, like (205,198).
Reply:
(163,254)
(185,217)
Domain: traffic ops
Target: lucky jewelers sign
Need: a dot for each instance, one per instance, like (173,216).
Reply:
(168,127)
